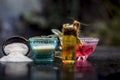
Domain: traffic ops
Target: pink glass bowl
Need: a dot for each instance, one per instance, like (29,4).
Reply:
(88,47)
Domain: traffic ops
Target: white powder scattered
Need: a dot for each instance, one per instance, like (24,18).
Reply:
(16,52)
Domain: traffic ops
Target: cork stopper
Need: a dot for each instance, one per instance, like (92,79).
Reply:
(72,29)
(69,30)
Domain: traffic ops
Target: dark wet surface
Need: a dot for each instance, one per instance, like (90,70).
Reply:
(103,64)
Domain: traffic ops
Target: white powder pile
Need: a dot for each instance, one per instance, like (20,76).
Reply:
(16,53)
(16,47)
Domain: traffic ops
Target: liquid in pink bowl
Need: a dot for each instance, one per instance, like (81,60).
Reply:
(88,47)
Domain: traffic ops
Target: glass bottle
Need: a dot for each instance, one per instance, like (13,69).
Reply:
(69,42)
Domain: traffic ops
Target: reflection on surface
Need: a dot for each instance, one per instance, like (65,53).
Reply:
(53,71)
(85,71)
(68,72)
(15,71)
(80,71)
(45,72)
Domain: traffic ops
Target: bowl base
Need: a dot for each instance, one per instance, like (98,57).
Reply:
(43,60)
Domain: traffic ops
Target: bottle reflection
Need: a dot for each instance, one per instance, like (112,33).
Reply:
(68,71)
(15,71)
(79,71)
(85,71)
(45,72)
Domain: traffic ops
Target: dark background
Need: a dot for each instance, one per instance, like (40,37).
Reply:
(29,18)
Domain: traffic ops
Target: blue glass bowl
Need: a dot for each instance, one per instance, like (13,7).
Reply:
(43,48)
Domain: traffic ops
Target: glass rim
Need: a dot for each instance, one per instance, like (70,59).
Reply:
(41,38)
(89,39)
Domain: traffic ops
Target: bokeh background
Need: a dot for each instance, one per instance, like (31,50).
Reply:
(28,18)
